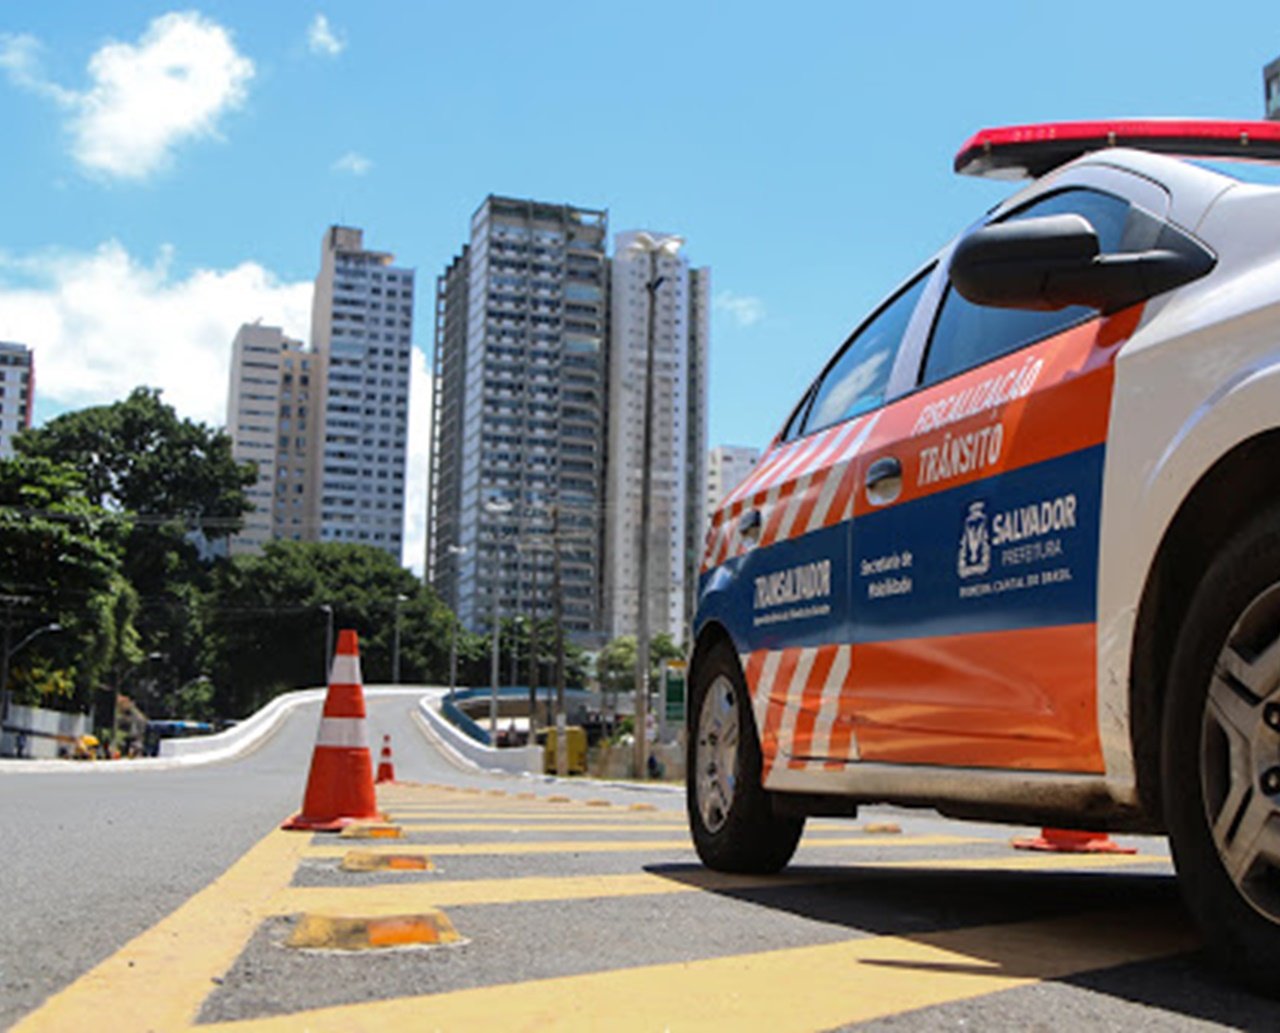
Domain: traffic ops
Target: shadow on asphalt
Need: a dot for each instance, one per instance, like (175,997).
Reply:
(893,902)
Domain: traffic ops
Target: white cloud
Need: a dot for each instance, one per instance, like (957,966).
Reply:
(741,308)
(103,323)
(321,39)
(413,553)
(144,99)
(352,164)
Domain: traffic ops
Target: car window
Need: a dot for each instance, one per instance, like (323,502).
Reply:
(967,335)
(855,381)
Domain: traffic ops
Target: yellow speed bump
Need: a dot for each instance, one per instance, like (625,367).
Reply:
(881,828)
(642,807)
(371,830)
(373,861)
(558,799)
(328,932)
(599,803)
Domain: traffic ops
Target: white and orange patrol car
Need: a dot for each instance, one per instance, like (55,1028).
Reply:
(1015,555)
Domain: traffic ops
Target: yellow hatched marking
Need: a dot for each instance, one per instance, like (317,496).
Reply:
(826,986)
(615,846)
(387,899)
(159,979)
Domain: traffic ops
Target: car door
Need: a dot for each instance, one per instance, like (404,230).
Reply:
(975,539)
(784,535)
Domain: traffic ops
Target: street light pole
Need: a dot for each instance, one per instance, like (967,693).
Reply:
(8,651)
(326,609)
(652,248)
(454,550)
(395,647)
(495,506)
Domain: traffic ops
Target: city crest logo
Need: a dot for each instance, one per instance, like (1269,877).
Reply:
(975,542)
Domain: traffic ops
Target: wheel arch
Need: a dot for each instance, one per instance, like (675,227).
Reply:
(1221,502)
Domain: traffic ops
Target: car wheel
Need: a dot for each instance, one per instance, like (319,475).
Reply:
(730,814)
(1221,756)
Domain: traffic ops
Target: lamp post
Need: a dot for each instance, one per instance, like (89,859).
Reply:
(495,506)
(8,652)
(395,644)
(326,609)
(454,550)
(653,248)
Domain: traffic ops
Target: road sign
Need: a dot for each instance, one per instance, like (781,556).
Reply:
(673,690)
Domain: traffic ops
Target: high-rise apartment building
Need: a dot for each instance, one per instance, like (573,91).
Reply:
(17,392)
(361,327)
(727,467)
(273,422)
(680,342)
(518,424)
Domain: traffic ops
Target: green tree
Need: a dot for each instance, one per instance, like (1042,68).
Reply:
(616,662)
(178,481)
(60,560)
(268,629)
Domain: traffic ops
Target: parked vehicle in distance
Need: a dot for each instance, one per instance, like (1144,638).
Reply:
(1015,555)
(157,730)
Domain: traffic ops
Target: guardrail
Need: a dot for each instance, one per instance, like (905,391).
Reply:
(510,759)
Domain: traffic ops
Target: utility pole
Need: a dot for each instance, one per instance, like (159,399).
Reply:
(562,731)
(533,665)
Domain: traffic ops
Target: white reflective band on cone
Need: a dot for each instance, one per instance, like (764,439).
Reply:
(346,732)
(346,670)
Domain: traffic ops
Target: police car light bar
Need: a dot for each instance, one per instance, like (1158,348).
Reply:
(1022,152)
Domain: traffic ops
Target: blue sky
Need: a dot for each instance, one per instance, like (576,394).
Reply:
(804,150)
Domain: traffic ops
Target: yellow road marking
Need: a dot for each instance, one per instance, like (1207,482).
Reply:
(397,897)
(830,985)
(159,979)
(621,846)
(386,899)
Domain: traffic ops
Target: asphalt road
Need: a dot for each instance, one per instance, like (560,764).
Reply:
(582,912)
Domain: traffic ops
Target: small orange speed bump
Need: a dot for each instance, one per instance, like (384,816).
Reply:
(497,792)
(557,799)
(599,803)
(327,932)
(526,796)
(881,828)
(369,861)
(642,807)
(470,791)
(371,830)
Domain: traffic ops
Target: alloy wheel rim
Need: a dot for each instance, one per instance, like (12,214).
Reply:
(716,756)
(1240,755)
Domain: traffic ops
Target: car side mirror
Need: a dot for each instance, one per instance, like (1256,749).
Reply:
(1053,261)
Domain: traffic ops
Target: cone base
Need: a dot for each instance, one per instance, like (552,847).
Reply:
(1055,841)
(386,773)
(301,823)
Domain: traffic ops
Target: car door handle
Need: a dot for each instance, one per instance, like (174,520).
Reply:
(884,480)
(749,525)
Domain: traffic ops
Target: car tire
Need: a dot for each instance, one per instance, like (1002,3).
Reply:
(731,815)
(1220,756)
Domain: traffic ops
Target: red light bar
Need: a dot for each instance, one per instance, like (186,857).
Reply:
(1022,152)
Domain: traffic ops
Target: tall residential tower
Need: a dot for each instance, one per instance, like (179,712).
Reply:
(361,328)
(678,456)
(17,392)
(273,422)
(518,424)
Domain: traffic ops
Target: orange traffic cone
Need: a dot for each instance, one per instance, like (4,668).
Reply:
(1072,841)
(386,770)
(340,784)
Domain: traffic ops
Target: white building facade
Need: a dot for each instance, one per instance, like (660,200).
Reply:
(727,467)
(17,392)
(682,332)
(272,421)
(361,329)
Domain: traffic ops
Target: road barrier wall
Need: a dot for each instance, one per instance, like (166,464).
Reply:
(512,759)
(41,732)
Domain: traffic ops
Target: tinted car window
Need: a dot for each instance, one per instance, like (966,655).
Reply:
(855,382)
(966,335)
